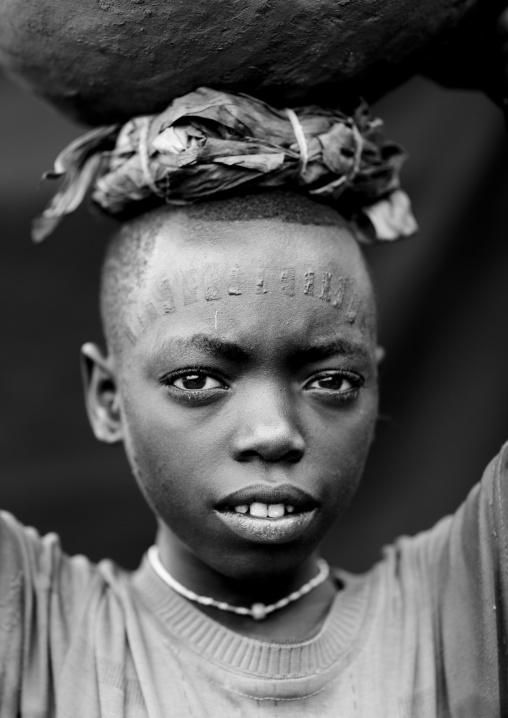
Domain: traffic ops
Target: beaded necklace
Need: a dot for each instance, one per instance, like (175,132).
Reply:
(258,611)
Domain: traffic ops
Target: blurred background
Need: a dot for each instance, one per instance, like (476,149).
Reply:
(443,321)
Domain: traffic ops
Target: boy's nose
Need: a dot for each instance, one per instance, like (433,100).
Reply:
(267,429)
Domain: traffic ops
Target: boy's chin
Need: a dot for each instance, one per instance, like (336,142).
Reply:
(244,558)
(263,563)
(270,552)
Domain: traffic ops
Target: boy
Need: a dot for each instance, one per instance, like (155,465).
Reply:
(240,375)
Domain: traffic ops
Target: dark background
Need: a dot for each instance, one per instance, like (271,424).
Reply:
(443,304)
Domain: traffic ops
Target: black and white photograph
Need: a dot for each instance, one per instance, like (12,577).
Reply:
(254,341)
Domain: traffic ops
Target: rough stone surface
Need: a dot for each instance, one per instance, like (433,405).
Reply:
(106,60)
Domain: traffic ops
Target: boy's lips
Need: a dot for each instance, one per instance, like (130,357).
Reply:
(266,494)
(267,514)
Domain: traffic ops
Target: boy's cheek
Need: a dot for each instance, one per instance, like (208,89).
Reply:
(349,455)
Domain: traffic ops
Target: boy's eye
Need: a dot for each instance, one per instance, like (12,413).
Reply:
(340,382)
(196,381)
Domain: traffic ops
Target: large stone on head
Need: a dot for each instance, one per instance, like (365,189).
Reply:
(106,61)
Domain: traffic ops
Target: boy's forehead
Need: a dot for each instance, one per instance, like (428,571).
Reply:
(200,268)
(191,243)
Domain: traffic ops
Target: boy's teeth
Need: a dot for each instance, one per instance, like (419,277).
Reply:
(259,510)
(264,511)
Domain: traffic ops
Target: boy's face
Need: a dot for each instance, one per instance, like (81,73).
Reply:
(248,385)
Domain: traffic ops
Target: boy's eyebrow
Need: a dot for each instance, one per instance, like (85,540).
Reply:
(318,350)
(211,345)
(231,351)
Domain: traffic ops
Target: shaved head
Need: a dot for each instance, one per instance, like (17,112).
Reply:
(131,248)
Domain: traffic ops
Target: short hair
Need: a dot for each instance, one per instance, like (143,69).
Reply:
(129,249)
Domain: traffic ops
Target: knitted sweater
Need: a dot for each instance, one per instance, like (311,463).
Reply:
(422,634)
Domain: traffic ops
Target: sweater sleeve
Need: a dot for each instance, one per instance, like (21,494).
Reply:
(457,574)
(41,593)
(473,601)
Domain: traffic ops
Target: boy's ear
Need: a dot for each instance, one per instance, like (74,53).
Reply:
(102,399)
(380,355)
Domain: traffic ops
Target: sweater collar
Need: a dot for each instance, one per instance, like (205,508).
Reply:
(334,643)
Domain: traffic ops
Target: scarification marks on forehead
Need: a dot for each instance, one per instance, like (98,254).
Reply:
(166,297)
(234,281)
(261,286)
(326,283)
(308,287)
(340,292)
(211,284)
(287,281)
(162,303)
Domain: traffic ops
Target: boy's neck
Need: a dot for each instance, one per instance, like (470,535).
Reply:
(298,621)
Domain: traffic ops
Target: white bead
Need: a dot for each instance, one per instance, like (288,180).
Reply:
(258,611)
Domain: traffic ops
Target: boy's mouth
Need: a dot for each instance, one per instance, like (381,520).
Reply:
(267,514)
(263,511)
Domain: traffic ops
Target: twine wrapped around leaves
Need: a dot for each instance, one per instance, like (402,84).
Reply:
(208,143)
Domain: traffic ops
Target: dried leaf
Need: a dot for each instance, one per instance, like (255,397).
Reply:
(392,217)
(208,142)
